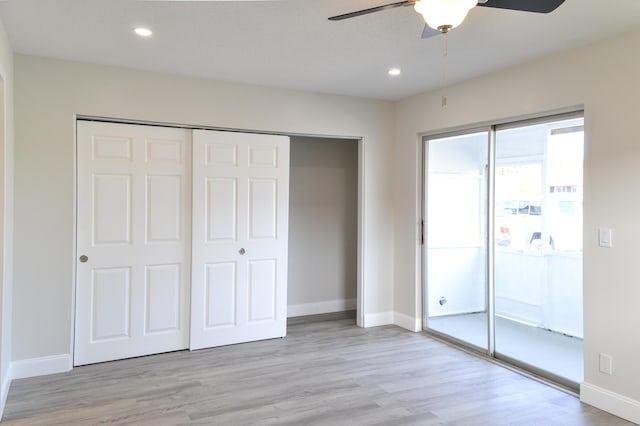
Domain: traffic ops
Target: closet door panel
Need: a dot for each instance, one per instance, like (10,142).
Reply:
(240,237)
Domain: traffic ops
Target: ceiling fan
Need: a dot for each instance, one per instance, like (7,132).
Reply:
(442,15)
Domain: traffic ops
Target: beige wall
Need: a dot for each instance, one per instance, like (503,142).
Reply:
(50,92)
(6,206)
(605,78)
(323,212)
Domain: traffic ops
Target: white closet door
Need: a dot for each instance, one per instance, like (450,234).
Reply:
(133,241)
(240,237)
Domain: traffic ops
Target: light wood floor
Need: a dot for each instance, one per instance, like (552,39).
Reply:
(325,372)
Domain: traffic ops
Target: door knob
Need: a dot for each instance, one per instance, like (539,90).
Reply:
(242,251)
(83,258)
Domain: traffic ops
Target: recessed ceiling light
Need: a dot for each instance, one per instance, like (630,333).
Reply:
(394,71)
(144,32)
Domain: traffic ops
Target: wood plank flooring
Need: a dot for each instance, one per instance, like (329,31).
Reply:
(326,371)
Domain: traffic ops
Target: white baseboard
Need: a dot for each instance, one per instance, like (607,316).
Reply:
(321,307)
(621,406)
(41,366)
(405,321)
(379,318)
(4,392)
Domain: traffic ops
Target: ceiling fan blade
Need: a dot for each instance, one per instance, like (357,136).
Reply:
(539,6)
(429,32)
(372,9)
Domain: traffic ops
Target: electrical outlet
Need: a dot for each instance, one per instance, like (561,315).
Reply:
(606,364)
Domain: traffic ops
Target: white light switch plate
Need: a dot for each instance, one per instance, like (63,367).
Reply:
(604,237)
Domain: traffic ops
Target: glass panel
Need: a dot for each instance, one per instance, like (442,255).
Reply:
(538,250)
(456,252)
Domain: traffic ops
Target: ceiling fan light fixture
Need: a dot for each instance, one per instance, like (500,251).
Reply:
(443,15)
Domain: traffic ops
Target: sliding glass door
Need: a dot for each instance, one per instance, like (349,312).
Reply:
(456,243)
(538,253)
(503,247)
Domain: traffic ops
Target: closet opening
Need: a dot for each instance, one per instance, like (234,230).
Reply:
(182,236)
(323,226)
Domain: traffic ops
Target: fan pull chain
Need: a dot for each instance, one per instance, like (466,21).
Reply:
(445,54)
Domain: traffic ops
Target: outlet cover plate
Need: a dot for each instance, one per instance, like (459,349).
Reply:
(606,364)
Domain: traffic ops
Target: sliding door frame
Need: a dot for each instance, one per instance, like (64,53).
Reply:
(491,129)
(424,146)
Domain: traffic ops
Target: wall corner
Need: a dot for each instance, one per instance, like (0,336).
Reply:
(407,322)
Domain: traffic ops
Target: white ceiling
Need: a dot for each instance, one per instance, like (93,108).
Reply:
(291,44)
